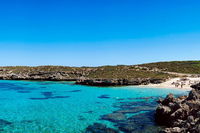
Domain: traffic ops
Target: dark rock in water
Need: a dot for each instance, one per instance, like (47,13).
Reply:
(38,98)
(182,114)
(114,117)
(47,94)
(134,116)
(99,128)
(4,123)
(128,127)
(142,98)
(142,123)
(136,104)
(59,97)
(135,109)
(104,96)
(75,91)
(45,98)
(169,99)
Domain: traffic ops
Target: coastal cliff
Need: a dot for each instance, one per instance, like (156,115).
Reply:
(182,114)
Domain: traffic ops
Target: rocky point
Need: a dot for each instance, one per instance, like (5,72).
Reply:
(182,114)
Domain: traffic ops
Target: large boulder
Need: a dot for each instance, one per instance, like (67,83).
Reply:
(196,86)
(194,94)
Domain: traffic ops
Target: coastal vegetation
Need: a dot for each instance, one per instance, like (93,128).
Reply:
(190,67)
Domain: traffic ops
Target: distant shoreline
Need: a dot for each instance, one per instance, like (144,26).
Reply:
(157,74)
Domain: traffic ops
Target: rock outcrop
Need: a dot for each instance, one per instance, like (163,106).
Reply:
(41,75)
(182,114)
(117,82)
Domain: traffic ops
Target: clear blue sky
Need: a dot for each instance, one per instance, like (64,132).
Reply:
(98,32)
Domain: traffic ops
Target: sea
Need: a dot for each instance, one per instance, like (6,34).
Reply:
(64,107)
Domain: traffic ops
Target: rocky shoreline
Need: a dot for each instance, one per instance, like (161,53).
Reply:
(118,82)
(182,114)
(78,78)
(173,115)
(48,76)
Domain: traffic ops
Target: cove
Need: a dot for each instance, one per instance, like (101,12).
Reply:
(62,107)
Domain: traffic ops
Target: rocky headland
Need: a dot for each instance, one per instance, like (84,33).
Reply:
(182,114)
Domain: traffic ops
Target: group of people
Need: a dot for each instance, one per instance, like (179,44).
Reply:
(182,82)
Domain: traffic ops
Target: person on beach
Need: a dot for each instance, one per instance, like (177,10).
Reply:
(177,85)
(182,85)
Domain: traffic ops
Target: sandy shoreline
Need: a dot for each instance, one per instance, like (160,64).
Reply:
(175,83)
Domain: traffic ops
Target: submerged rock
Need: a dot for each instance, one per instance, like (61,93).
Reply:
(75,91)
(104,97)
(114,117)
(141,123)
(132,117)
(182,114)
(99,128)
(47,94)
(4,123)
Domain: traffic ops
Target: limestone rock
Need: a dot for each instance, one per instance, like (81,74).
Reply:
(181,115)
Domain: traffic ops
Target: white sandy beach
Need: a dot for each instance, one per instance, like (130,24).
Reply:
(175,83)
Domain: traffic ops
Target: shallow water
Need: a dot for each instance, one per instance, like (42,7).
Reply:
(62,107)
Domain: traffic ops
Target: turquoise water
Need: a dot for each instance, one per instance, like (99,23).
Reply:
(61,107)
